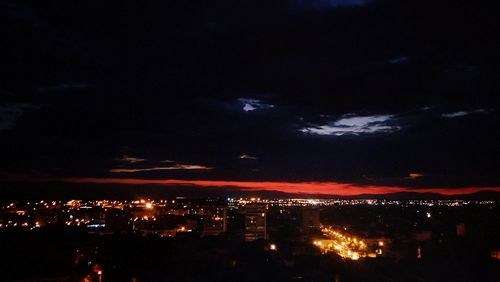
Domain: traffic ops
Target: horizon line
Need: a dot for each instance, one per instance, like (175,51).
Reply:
(304,187)
(301,187)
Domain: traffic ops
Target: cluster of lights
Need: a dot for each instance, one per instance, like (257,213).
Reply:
(24,224)
(77,221)
(345,245)
(234,202)
(143,218)
(142,210)
(352,202)
(116,204)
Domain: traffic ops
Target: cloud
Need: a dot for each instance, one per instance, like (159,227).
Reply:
(463,113)
(355,125)
(247,157)
(10,113)
(414,175)
(158,168)
(328,4)
(455,114)
(64,87)
(129,159)
(253,104)
(399,60)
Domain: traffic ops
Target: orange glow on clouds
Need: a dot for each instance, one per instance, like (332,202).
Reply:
(175,167)
(414,175)
(332,188)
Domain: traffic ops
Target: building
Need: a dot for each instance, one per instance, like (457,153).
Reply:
(255,221)
(310,218)
(214,220)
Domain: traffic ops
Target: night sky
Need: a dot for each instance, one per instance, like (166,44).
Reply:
(311,96)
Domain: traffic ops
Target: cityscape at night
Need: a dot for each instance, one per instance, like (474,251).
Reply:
(249,140)
(251,239)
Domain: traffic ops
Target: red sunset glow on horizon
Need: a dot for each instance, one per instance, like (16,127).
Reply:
(325,188)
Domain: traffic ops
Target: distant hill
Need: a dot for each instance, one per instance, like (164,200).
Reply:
(483,195)
(58,190)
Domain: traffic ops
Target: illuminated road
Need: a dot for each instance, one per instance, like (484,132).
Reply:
(345,245)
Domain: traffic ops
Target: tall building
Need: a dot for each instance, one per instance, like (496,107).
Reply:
(214,220)
(310,218)
(255,221)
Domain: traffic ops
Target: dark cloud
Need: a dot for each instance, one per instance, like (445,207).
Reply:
(11,112)
(328,4)
(463,113)
(130,159)
(159,168)
(368,92)
(250,104)
(65,87)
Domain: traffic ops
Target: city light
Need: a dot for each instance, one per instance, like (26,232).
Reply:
(344,245)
